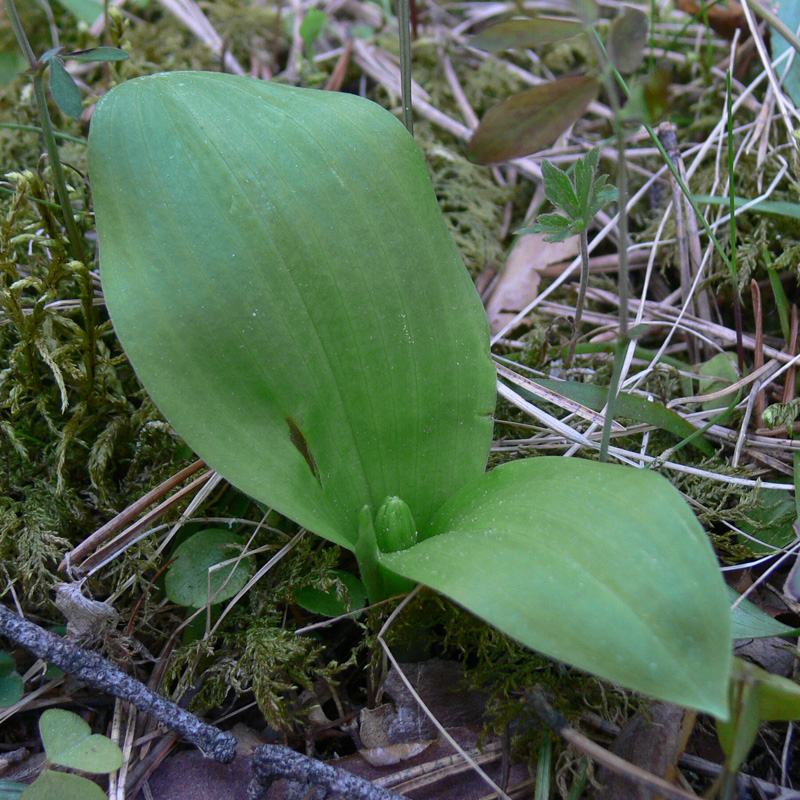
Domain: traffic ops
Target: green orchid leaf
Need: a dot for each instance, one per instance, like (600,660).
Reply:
(601,566)
(533,32)
(756,696)
(781,208)
(51,784)
(278,271)
(64,90)
(532,120)
(69,741)
(748,621)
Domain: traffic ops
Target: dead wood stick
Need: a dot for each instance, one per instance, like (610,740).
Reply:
(273,761)
(99,673)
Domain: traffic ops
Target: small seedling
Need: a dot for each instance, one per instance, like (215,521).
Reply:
(310,29)
(278,270)
(69,742)
(580,199)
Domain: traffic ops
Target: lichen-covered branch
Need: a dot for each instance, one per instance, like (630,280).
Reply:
(100,673)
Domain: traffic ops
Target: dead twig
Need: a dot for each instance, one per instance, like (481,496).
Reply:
(99,673)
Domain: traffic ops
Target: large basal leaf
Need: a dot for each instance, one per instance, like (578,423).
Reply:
(601,566)
(279,273)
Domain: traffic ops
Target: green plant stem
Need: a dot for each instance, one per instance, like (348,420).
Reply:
(55,164)
(584,242)
(37,74)
(404,31)
(622,231)
(737,301)
(36,129)
(613,386)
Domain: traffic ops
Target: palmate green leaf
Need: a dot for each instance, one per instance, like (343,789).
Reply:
(278,271)
(559,190)
(601,566)
(556,227)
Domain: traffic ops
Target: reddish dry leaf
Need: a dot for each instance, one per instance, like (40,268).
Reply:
(627,40)
(532,120)
(523,33)
(721,20)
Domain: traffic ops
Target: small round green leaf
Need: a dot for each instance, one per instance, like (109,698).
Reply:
(11,689)
(69,741)
(11,685)
(327,604)
(63,786)
(188,581)
(64,90)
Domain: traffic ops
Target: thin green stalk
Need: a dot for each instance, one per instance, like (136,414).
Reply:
(37,74)
(404,29)
(737,301)
(622,231)
(55,165)
(36,129)
(584,242)
(613,387)
(667,160)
